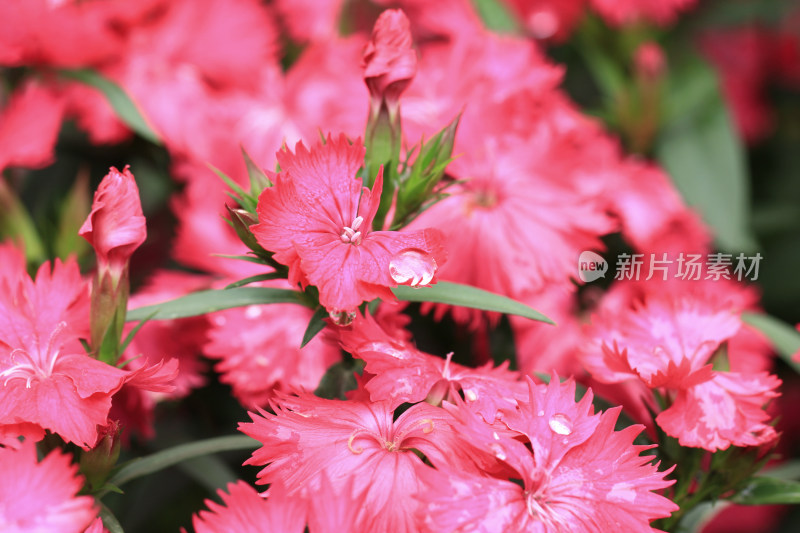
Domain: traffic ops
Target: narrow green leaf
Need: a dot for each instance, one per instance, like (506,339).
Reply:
(706,159)
(339,379)
(235,187)
(120,101)
(203,302)
(769,491)
(606,70)
(255,279)
(108,487)
(258,178)
(496,16)
(695,520)
(315,325)
(785,339)
(209,471)
(109,520)
(165,458)
(248,258)
(17,224)
(134,331)
(468,296)
(76,207)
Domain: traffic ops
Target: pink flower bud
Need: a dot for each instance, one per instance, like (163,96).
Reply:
(390,61)
(116,226)
(649,60)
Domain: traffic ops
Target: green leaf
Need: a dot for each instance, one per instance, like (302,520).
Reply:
(339,379)
(172,456)
(785,339)
(468,296)
(76,207)
(209,471)
(496,17)
(255,279)
(695,520)
(248,258)
(237,193)
(315,325)
(109,520)
(203,302)
(769,491)
(706,159)
(133,332)
(121,103)
(16,223)
(258,178)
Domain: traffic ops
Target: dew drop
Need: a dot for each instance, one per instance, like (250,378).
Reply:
(412,267)
(471,395)
(342,317)
(540,413)
(560,424)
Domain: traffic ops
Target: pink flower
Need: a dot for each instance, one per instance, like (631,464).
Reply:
(549,19)
(623,12)
(666,340)
(46,379)
(543,348)
(244,510)
(318,221)
(257,349)
(514,225)
(356,442)
(577,473)
(742,57)
(310,20)
(403,374)
(725,411)
(62,34)
(653,215)
(116,226)
(41,496)
(29,126)
(390,60)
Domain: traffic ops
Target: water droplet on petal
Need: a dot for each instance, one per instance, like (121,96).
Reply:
(540,413)
(471,395)
(412,267)
(560,424)
(342,317)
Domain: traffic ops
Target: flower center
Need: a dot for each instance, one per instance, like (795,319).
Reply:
(425,425)
(25,366)
(350,234)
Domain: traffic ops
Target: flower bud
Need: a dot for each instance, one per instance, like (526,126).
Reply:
(649,61)
(116,226)
(96,464)
(390,61)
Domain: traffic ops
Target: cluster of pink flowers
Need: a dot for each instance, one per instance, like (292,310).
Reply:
(423,443)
